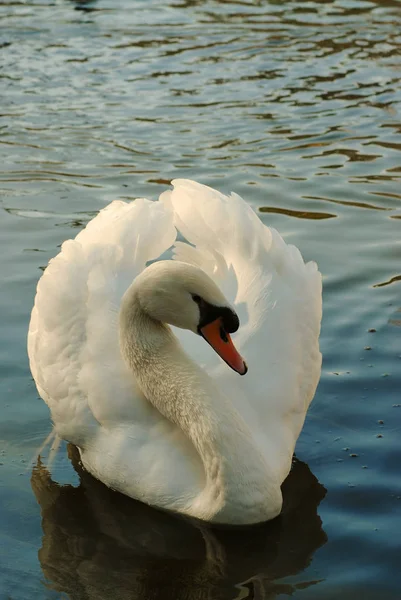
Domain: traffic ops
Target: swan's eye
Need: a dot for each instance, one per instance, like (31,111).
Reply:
(196,298)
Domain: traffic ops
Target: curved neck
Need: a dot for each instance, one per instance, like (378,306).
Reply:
(235,472)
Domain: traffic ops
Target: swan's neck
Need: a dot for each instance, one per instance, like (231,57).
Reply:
(236,476)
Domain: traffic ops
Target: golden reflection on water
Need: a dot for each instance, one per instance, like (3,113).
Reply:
(392,280)
(299,214)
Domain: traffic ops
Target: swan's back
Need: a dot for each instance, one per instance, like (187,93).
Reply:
(73,336)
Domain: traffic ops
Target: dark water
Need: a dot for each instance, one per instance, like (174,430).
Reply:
(294,105)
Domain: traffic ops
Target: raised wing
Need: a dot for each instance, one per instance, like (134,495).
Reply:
(278,299)
(76,360)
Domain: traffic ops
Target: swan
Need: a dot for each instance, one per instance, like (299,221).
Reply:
(130,346)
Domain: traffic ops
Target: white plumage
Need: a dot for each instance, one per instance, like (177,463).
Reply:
(94,397)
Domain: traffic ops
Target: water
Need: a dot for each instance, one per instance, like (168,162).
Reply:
(294,105)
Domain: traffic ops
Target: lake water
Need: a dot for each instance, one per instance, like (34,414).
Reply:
(295,106)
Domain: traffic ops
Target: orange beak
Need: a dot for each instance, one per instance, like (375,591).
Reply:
(221,342)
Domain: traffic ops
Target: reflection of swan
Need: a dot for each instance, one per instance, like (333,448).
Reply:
(177,433)
(101,545)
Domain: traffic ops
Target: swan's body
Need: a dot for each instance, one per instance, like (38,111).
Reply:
(156,414)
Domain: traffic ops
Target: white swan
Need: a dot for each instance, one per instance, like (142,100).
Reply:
(153,410)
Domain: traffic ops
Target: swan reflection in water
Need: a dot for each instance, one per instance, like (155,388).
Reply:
(101,545)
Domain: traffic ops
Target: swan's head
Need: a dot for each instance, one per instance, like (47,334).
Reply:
(183,295)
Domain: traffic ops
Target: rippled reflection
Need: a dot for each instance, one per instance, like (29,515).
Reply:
(392,280)
(102,545)
(296,213)
(84,5)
